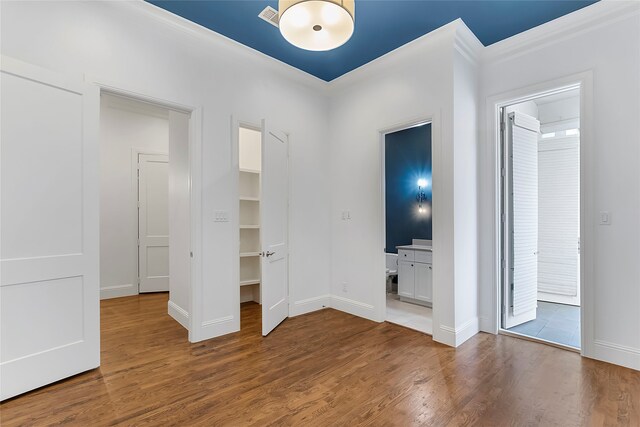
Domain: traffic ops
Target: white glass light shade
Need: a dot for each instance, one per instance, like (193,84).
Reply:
(317,24)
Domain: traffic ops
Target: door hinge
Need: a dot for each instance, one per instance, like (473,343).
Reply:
(138,242)
(191,254)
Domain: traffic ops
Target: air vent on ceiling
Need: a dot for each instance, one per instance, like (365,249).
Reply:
(270,15)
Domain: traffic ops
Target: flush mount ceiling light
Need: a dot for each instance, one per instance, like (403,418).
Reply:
(317,24)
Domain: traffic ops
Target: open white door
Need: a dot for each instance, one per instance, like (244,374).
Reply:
(521,237)
(274,224)
(49,290)
(153,222)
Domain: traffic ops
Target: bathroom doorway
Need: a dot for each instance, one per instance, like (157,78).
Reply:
(407,201)
(540,142)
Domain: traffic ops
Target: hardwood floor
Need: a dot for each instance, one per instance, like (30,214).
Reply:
(326,368)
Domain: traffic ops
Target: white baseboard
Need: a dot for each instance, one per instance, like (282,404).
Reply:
(310,304)
(487,325)
(118,291)
(455,336)
(617,354)
(354,307)
(179,314)
(214,328)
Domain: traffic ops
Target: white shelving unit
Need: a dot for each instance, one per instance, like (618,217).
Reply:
(249,200)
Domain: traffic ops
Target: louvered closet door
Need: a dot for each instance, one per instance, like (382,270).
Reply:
(559,219)
(523,174)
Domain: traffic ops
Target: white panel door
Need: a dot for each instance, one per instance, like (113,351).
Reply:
(274,226)
(153,222)
(522,292)
(49,289)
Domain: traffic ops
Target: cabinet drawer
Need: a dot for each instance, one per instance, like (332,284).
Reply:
(424,256)
(405,255)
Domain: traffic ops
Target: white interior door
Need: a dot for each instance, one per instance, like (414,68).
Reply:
(521,290)
(274,225)
(153,222)
(49,289)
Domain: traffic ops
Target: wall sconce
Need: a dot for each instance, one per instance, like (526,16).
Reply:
(421,197)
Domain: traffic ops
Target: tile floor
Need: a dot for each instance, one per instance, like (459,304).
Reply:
(409,315)
(557,323)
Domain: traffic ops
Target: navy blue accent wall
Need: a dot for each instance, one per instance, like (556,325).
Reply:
(407,160)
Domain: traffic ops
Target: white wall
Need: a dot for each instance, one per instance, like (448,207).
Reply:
(134,47)
(603,39)
(413,83)
(179,218)
(124,126)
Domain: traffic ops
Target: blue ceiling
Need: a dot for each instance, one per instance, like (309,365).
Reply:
(381,26)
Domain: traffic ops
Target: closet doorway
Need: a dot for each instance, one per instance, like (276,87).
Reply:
(263,226)
(541,286)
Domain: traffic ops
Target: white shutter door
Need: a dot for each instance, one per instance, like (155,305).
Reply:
(559,216)
(524,170)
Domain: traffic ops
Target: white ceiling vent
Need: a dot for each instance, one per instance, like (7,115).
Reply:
(270,15)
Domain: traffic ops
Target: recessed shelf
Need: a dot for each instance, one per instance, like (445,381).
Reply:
(249,226)
(249,170)
(250,282)
(249,199)
(249,254)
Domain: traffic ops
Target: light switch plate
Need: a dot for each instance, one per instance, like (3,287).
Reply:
(605,218)
(346,215)
(221,216)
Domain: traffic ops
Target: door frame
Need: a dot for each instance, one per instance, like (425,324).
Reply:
(494,105)
(380,294)
(135,199)
(236,122)
(195,309)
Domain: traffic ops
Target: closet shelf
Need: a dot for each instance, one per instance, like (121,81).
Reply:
(249,170)
(250,199)
(250,226)
(249,254)
(249,282)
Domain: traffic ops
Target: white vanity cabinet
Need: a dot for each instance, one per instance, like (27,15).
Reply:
(415,274)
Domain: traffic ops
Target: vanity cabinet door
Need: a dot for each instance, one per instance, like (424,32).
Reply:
(423,282)
(406,279)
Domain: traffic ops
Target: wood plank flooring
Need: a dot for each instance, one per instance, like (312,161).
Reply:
(326,368)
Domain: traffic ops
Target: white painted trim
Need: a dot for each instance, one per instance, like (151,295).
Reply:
(118,291)
(494,103)
(574,24)
(219,326)
(456,336)
(179,314)
(310,304)
(354,307)
(202,33)
(615,353)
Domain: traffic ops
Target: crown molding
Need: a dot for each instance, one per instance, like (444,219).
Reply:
(597,15)
(209,36)
(467,44)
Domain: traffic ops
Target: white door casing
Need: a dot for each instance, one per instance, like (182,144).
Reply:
(521,286)
(153,222)
(274,227)
(49,289)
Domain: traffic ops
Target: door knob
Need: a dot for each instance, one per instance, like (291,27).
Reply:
(269,253)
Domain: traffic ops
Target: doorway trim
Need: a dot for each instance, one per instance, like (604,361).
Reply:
(493,107)
(380,293)
(195,309)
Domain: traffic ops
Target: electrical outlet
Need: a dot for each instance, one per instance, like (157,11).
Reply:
(344,287)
